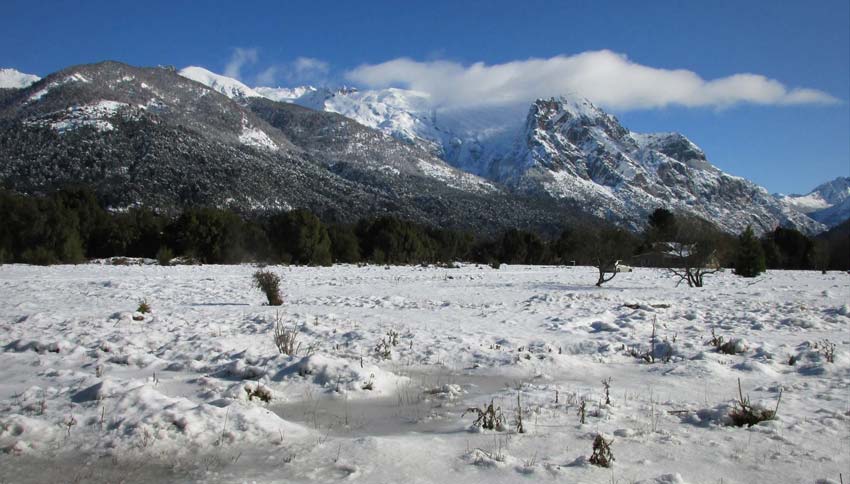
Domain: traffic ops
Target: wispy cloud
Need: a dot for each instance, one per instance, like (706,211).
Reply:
(240,58)
(302,70)
(607,78)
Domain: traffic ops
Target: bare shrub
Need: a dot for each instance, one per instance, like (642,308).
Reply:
(715,340)
(731,347)
(269,283)
(827,349)
(285,339)
(519,428)
(582,411)
(602,454)
(692,254)
(392,337)
(488,418)
(749,415)
(607,384)
(383,350)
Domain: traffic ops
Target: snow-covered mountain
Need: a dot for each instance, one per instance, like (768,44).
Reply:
(228,86)
(14,79)
(564,149)
(465,138)
(828,203)
(571,149)
(148,136)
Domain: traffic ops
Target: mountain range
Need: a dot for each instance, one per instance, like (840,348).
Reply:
(828,203)
(148,136)
(564,149)
(159,137)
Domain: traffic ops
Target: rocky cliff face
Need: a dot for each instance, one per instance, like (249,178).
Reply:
(572,150)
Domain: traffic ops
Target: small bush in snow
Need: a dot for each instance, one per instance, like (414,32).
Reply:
(489,418)
(144,307)
(285,339)
(392,337)
(602,455)
(607,384)
(747,414)
(260,392)
(732,347)
(269,283)
(827,349)
(582,411)
(383,350)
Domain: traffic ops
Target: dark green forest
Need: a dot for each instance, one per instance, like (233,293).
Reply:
(72,226)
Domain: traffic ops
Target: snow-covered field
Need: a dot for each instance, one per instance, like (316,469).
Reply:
(389,360)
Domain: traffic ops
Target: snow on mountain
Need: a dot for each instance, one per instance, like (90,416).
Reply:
(14,79)
(574,151)
(462,137)
(833,215)
(567,149)
(306,96)
(226,85)
(562,148)
(827,203)
(95,115)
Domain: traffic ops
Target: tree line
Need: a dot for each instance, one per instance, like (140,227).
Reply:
(71,226)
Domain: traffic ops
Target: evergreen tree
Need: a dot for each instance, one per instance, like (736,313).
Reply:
(662,225)
(750,259)
(345,248)
(300,237)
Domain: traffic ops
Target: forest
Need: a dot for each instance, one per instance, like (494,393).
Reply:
(72,226)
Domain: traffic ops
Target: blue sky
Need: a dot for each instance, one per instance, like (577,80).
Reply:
(788,142)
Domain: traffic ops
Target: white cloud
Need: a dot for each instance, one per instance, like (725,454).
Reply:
(308,67)
(238,59)
(605,77)
(267,77)
(303,70)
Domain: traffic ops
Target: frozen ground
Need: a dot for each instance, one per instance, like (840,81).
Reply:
(89,394)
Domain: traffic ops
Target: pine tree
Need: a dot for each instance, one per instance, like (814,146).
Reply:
(750,259)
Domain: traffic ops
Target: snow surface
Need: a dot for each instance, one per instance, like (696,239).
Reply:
(14,79)
(92,391)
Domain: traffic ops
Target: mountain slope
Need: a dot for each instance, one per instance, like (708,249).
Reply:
(827,203)
(464,138)
(150,136)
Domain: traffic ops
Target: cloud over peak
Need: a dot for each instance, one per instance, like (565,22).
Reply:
(238,59)
(605,77)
